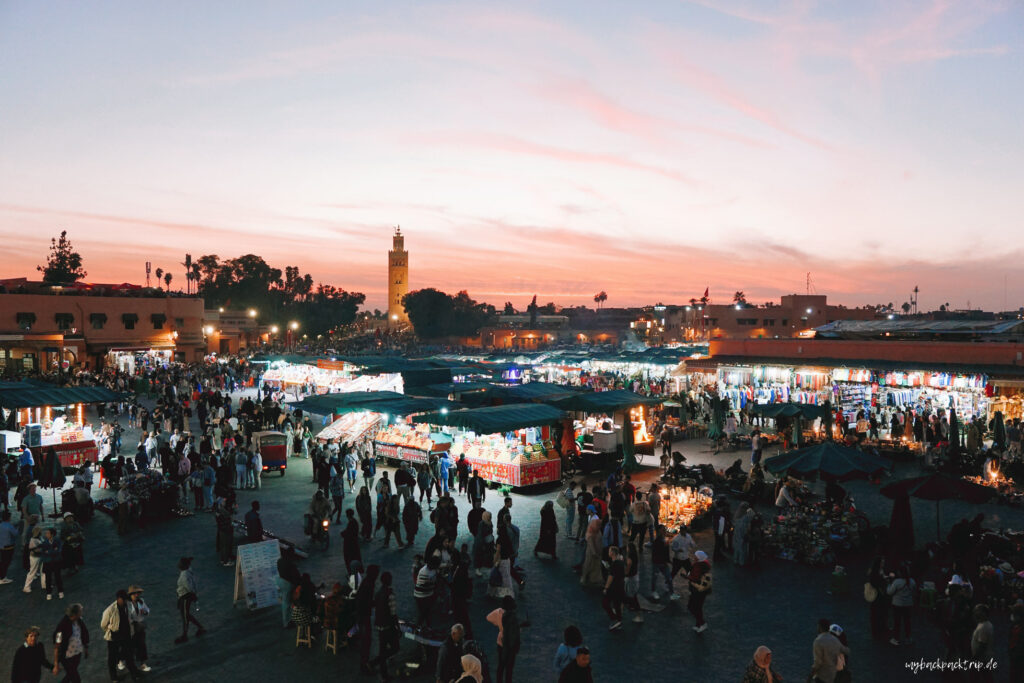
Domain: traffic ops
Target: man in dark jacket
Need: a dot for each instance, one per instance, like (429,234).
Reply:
(477,489)
(578,670)
(449,658)
(253,524)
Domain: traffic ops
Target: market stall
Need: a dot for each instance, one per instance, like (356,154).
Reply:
(326,377)
(508,444)
(605,413)
(49,416)
(682,506)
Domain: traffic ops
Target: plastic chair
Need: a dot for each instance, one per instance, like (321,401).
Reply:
(302,637)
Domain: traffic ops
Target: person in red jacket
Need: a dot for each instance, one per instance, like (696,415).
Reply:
(700,588)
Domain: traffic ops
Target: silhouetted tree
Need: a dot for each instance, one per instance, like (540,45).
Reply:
(64,264)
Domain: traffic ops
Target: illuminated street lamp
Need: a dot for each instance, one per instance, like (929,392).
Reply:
(294,325)
(273,329)
(252,312)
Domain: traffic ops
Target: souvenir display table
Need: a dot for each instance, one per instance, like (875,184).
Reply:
(811,533)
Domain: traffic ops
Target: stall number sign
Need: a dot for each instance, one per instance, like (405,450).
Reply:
(541,472)
(256,574)
(388,450)
(75,454)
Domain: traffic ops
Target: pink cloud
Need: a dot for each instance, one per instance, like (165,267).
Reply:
(515,145)
(584,97)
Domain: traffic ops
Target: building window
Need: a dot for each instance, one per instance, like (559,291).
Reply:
(28,361)
(746,321)
(129,320)
(158,320)
(64,320)
(25,320)
(179,323)
(785,321)
(98,320)
(3,358)
(769,322)
(713,322)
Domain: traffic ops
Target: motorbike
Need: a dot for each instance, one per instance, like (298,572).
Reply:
(319,531)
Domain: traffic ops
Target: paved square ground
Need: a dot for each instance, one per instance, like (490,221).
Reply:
(777,605)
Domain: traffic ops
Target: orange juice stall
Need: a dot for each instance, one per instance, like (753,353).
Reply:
(48,416)
(509,444)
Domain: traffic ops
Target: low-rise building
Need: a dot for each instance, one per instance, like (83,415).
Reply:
(44,328)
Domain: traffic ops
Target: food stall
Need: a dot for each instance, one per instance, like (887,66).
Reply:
(614,406)
(326,377)
(509,444)
(410,443)
(49,416)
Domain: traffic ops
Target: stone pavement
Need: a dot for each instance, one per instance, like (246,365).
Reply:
(777,605)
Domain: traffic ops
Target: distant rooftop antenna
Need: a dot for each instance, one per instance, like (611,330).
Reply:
(149,268)
(810,285)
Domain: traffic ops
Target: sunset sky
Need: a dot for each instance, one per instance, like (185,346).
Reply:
(648,149)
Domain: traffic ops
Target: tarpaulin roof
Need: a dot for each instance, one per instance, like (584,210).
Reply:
(604,401)
(496,419)
(774,410)
(55,396)
(914,328)
(377,401)
(535,391)
(453,388)
(828,459)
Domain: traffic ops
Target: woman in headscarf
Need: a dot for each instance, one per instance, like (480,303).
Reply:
(744,516)
(591,574)
(483,544)
(760,668)
(548,532)
(470,670)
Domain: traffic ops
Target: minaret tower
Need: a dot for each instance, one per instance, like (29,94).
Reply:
(398,279)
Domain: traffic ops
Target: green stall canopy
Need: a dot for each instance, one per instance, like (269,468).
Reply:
(378,401)
(605,401)
(56,396)
(496,419)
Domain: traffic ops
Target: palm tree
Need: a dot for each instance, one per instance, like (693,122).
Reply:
(167,279)
(905,307)
(188,273)
(600,298)
(739,298)
(159,276)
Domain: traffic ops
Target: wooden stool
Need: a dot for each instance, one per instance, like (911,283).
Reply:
(302,636)
(331,640)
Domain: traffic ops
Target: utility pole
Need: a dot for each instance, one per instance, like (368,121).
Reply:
(915,299)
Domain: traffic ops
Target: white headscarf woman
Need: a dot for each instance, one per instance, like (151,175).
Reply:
(470,670)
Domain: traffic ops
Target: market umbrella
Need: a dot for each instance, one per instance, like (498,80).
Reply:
(828,459)
(629,463)
(938,487)
(999,431)
(901,527)
(51,476)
